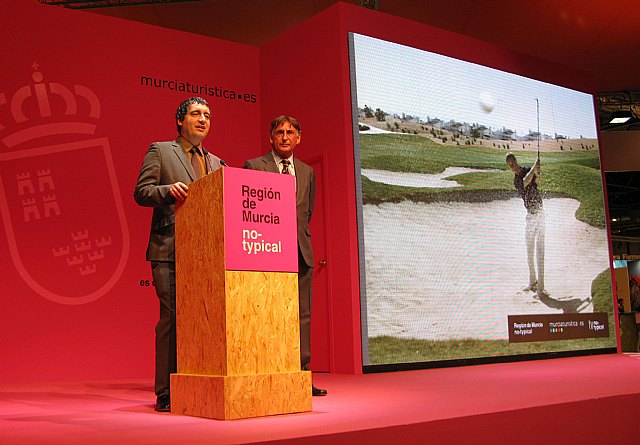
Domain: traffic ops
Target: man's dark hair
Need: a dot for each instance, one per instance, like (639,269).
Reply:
(510,156)
(181,112)
(280,119)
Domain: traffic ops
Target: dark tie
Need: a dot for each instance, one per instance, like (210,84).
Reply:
(195,152)
(285,167)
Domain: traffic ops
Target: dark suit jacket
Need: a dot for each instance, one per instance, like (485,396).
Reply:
(305,196)
(165,164)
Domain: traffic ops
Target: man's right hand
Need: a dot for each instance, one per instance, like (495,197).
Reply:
(536,166)
(179,191)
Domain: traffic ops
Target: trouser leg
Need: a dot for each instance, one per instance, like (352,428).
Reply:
(165,283)
(530,239)
(540,229)
(305,282)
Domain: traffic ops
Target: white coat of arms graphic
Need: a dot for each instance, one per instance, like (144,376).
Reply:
(61,206)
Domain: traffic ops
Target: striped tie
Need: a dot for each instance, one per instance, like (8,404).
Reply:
(195,152)
(285,167)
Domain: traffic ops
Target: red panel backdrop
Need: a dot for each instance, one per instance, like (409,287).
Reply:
(81,98)
(75,120)
(305,73)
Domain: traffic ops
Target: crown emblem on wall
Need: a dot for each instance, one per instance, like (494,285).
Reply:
(41,109)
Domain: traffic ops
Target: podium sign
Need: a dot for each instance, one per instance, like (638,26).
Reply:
(237,324)
(260,221)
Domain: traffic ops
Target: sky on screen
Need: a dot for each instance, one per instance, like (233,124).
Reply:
(400,79)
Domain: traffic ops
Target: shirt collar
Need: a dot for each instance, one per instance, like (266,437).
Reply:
(186,145)
(278,158)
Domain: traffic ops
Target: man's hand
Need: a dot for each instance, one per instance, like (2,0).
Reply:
(536,172)
(533,176)
(536,166)
(179,191)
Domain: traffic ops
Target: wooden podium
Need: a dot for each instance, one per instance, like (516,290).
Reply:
(237,331)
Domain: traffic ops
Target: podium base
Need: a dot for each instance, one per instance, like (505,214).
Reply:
(240,396)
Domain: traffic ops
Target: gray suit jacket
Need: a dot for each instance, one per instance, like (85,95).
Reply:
(165,164)
(305,196)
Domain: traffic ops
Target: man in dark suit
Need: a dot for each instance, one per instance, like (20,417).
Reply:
(285,135)
(167,170)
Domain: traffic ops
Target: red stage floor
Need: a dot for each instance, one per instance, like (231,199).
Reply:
(586,400)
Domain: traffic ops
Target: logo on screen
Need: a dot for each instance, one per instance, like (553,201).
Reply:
(59,196)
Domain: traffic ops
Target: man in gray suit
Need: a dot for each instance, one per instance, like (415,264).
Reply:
(167,170)
(284,135)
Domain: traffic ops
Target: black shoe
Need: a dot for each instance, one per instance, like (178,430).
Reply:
(317,391)
(163,404)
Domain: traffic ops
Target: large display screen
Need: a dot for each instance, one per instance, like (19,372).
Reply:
(482,220)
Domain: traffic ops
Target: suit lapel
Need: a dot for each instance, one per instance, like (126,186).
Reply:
(184,160)
(270,163)
(301,177)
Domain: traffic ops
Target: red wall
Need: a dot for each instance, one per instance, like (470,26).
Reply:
(57,322)
(304,73)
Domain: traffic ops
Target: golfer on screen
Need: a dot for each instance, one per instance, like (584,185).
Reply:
(526,181)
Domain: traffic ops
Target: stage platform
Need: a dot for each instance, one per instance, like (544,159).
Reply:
(578,400)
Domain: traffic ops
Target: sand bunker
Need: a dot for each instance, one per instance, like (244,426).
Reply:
(456,270)
(435,180)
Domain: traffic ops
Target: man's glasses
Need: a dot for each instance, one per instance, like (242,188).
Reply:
(281,133)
